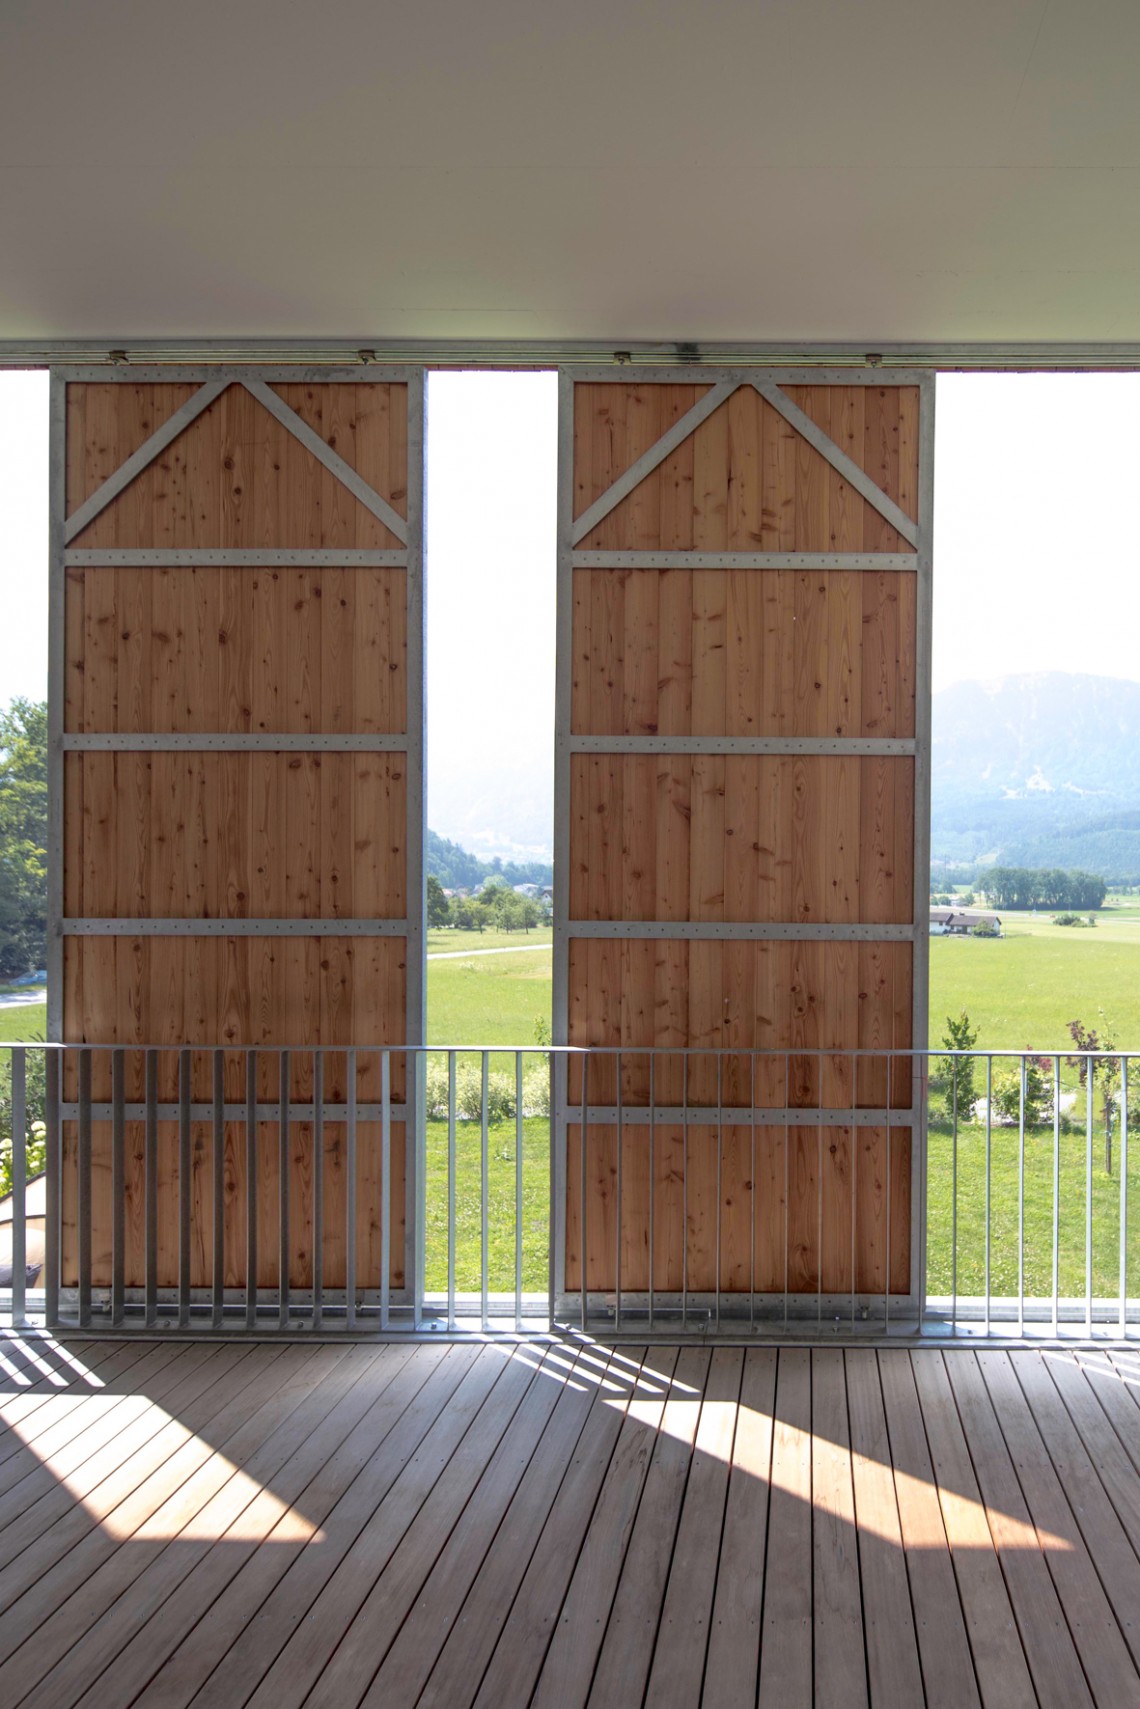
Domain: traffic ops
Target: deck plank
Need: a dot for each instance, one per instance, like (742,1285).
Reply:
(786,1633)
(430,1493)
(466,1630)
(614,1599)
(943,1644)
(1049,1649)
(837,1639)
(1105,1449)
(611,1456)
(87,1631)
(66,1450)
(241,1654)
(732,1669)
(226,1526)
(283,1516)
(105,1366)
(893,1668)
(682,1637)
(1104,1654)
(72,1546)
(995,1644)
(404,1670)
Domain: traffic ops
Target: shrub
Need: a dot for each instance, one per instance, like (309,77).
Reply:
(469,1092)
(36,1155)
(1005,1099)
(984,930)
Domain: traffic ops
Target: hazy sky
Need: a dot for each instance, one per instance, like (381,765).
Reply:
(1037,563)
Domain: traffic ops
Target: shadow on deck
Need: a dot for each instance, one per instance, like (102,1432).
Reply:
(566,1524)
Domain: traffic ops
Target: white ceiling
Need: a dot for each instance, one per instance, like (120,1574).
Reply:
(872,171)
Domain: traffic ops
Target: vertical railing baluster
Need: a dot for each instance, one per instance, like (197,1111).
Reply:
(955,1062)
(184,1189)
(719,1169)
(251,1192)
(485,1179)
(887,1275)
(350,1190)
(819,1197)
(1090,1076)
(284,1088)
(583,1132)
(652,1178)
(685,1191)
(1057,1190)
(787,1177)
(318,1187)
(1123,1196)
(19,1187)
(218,1246)
(1021,1202)
(752,1194)
(150,1193)
(53,1135)
(451,1189)
(518,1187)
(385,1183)
(853,1155)
(118,1186)
(617,1219)
(84,1188)
(989,1139)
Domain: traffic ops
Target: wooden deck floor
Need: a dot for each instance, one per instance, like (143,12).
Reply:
(453,1526)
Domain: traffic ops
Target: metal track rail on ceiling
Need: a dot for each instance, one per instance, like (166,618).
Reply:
(316,354)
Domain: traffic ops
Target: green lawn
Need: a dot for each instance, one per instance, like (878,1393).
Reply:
(1004,1211)
(21,1025)
(1022,989)
(489,999)
(447,940)
(500,1205)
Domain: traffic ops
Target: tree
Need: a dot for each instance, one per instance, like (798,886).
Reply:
(23,837)
(438,909)
(959,1070)
(1102,1070)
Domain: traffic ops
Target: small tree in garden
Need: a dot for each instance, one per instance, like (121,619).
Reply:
(958,1071)
(1104,1073)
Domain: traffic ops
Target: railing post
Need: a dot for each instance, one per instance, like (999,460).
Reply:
(19,1185)
(53,1245)
(118,1188)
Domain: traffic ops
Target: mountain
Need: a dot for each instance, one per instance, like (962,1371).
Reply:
(456,868)
(1041,769)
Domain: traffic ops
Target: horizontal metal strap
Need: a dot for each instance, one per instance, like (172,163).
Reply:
(258,558)
(238,928)
(234,1112)
(235,741)
(728,1115)
(582,560)
(884,745)
(647,370)
(739,931)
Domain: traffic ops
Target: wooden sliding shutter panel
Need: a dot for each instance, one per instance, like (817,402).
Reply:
(741,856)
(237,701)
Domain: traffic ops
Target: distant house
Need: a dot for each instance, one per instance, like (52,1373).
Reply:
(960,922)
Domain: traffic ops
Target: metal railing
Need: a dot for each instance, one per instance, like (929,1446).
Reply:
(806,1192)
